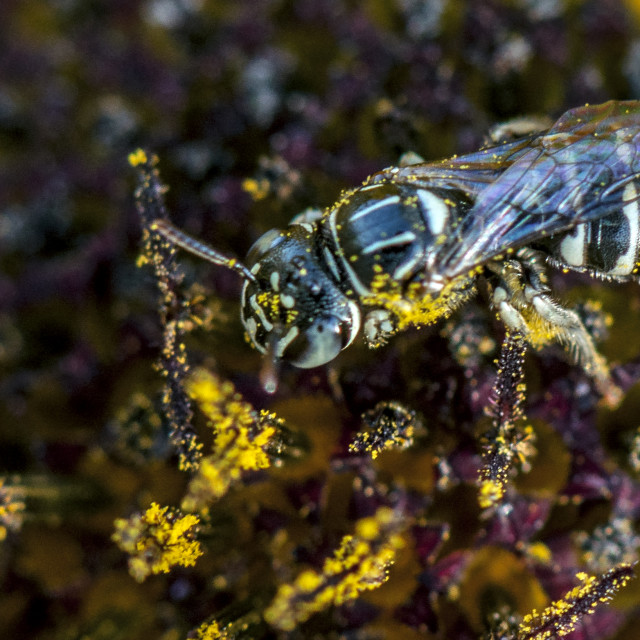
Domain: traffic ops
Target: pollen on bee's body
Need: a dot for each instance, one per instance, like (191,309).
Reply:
(260,313)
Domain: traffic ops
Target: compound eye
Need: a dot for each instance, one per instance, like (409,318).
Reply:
(318,344)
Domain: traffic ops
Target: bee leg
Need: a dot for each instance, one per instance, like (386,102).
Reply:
(378,327)
(518,128)
(567,326)
(410,157)
(507,295)
(521,298)
(509,315)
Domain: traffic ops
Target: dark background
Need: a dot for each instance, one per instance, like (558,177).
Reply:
(304,98)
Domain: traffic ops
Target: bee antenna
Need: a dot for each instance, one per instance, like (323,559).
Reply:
(184,241)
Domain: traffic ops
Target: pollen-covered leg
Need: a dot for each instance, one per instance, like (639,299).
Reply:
(508,295)
(571,332)
(509,315)
(521,298)
(378,327)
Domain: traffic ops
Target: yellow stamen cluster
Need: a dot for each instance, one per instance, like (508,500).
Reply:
(508,441)
(157,540)
(257,189)
(240,440)
(211,631)
(392,426)
(249,625)
(137,157)
(174,310)
(359,564)
(561,617)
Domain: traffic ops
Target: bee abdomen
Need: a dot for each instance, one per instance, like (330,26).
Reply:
(608,247)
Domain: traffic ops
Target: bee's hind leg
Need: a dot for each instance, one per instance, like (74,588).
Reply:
(571,332)
(524,305)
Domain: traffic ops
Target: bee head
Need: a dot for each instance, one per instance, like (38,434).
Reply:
(292,309)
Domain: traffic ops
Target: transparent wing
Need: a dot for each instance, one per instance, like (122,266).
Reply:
(471,173)
(576,172)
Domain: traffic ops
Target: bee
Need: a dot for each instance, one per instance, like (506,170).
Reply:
(411,244)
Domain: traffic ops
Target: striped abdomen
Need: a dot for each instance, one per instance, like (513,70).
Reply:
(608,247)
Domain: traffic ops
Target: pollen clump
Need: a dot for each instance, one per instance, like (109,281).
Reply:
(257,189)
(241,437)
(411,305)
(210,631)
(137,157)
(157,540)
(359,564)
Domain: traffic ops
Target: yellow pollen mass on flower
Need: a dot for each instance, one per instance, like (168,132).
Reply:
(360,563)
(157,540)
(137,157)
(257,189)
(559,619)
(241,436)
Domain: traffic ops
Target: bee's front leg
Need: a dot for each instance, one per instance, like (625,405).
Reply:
(378,327)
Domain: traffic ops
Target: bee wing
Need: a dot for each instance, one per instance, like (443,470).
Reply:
(574,173)
(470,174)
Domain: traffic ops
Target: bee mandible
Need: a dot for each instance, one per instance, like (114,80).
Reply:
(410,245)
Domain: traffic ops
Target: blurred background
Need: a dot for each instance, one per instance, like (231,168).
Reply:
(258,110)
